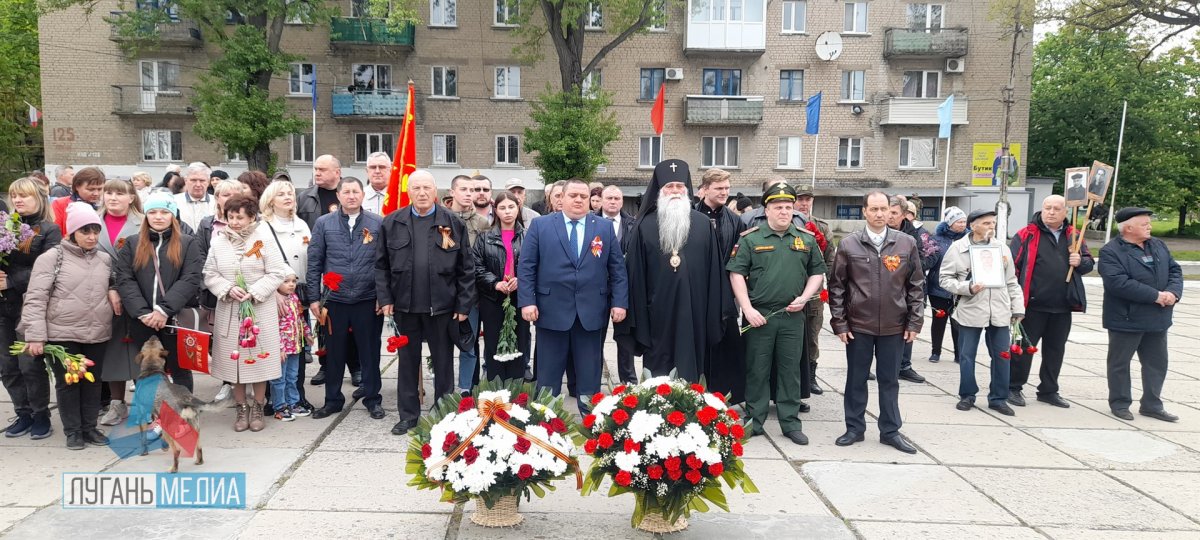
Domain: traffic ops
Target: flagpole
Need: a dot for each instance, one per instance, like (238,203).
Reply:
(946,178)
(816,143)
(314,119)
(1116,172)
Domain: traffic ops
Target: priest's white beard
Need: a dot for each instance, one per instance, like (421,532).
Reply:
(674,220)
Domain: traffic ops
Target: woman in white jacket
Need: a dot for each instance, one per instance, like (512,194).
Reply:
(982,311)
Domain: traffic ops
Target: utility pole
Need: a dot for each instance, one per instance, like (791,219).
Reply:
(1008,165)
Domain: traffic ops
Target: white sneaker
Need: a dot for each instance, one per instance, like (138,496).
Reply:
(117,412)
(224,393)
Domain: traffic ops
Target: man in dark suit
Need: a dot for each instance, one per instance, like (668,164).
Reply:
(572,276)
(611,209)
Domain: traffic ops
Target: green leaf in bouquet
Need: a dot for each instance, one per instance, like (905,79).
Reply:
(537,490)
(714,494)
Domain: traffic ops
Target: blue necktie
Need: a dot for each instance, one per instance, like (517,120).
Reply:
(574,238)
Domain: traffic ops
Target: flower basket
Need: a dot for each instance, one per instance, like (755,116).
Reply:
(506,441)
(669,443)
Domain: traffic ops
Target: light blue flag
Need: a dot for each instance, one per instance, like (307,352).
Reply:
(812,113)
(945,116)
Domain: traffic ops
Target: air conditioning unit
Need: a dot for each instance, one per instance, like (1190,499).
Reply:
(674,74)
(955,65)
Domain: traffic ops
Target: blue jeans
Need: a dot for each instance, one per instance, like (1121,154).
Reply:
(283,389)
(997,342)
(467,361)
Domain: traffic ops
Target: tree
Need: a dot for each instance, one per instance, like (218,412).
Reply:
(20,83)
(571,133)
(1166,18)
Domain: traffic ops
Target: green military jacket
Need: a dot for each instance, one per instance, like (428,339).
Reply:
(776,265)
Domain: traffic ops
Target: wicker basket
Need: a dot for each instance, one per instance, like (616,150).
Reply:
(655,523)
(502,514)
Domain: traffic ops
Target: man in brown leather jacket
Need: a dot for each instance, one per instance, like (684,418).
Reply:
(876,299)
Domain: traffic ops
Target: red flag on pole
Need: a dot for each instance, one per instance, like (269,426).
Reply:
(656,114)
(405,160)
(192,346)
(175,427)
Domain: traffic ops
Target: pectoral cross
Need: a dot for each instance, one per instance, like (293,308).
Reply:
(673,165)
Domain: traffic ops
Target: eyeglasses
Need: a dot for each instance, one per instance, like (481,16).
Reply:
(481,190)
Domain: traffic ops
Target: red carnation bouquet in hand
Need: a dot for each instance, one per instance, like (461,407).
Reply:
(1018,343)
(330,282)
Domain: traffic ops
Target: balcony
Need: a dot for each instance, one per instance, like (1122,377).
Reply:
(724,110)
(369,104)
(138,100)
(904,111)
(726,28)
(944,43)
(175,33)
(356,32)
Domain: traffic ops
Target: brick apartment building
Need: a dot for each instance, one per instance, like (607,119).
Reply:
(737,74)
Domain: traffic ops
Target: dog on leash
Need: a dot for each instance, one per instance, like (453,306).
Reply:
(152,360)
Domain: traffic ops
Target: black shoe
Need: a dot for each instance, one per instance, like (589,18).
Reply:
(376,411)
(95,437)
(356,378)
(1002,408)
(870,376)
(964,404)
(41,426)
(1054,399)
(848,438)
(797,437)
(911,375)
(815,389)
(324,412)
(899,443)
(1123,414)
(403,426)
(319,378)
(1015,397)
(935,358)
(20,426)
(804,407)
(359,393)
(1161,415)
(74,441)
(268,409)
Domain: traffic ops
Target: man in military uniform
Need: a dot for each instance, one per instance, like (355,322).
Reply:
(774,271)
(815,313)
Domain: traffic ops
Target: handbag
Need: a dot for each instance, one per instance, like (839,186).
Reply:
(199,319)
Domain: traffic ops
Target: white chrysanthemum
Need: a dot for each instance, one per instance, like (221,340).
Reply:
(708,455)
(714,402)
(606,406)
(519,413)
(655,381)
(692,439)
(643,424)
(537,432)
(627,461)
(497,395)
(663,446)
(544,410)
(499,440)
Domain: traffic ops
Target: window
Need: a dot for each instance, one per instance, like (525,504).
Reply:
(794,13)
(849,153)
(168,5)
(718,151)
(506,13)
(789,153)
(300,80)
(445,81)
(162,145)
(371,77)
(659,8)
(508,82)
(917,153)
(443,13)
(595,17)
(302,148)
(791,84)
(925,17)
(722,82)
(856,18)
(593,81)
(298,11)
(445,149)
(160,75)
(649,151)
(507,149)
(853,83)
(728,11)
(921,84)
(849,211)
(652,80)
(367,143)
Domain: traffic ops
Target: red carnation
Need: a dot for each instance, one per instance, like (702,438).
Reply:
(589,421)
(466,404)
(655,472)
(716,469)
(1031,349)
(426,451)
(557,426)
(1004,355)
(677,418)
(502,414)
(525,471)
(939,314)
(694,462)
(706,415)
(733,415)
(522,445)
(694,477)
(619,389)
(522,399)
(1016,349)
(605,440)
(470,455)
(320,352)
(824,296)
(697,388)
(674,474)
(737,449)
(401,341)
(722,428)
(590,446)
(597,397)
(737,431)
(620,417)
(630,401)
(331,280)
(720,396)
(674,463)
(631,446)
(663,390)
(450,442)
(623,478)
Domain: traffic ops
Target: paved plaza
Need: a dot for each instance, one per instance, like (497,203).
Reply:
(1076,473)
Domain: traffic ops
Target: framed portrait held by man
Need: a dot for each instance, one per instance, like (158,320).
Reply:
(987,265)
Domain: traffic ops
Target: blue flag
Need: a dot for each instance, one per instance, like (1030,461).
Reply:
(945,117)
(812,113)
(314,87)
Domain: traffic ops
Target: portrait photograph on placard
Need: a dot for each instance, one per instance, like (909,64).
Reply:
(1075,186)
(987,266)
(1099,177)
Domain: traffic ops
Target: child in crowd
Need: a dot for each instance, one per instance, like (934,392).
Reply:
(293,335)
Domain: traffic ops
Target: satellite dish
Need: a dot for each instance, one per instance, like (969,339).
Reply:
(829,46)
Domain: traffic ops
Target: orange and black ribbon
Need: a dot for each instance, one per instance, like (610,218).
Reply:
(256,251)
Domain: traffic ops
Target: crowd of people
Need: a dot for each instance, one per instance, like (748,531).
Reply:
(697,282)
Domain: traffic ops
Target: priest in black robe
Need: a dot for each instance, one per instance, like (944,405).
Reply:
(676,282)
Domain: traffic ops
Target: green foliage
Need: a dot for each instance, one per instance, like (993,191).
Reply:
(20,81)
(570,134)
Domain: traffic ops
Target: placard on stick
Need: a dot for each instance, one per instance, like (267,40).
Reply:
(1075,185)
(1099,177)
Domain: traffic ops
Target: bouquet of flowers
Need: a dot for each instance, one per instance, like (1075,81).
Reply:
(1018,343)
(75,366)
(248,331)
(508,439)
(506,350)
(12,234)
(396,341)
(667,442)
(330,281)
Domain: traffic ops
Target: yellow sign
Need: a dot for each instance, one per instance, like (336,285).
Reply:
(985,163)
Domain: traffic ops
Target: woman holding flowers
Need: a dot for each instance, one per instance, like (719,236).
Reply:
(496,255)
(243,270)
(67,304)
(24,376)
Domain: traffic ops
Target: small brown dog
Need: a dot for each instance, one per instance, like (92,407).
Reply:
(152,360)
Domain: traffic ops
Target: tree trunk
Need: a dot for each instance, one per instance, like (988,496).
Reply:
(259,158)
(1183,212)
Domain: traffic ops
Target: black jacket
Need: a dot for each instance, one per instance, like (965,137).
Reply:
(628,222)
(19,264)
(728,225)
(334,247)
(139,287)
(927,247)
(1042,264)
(1133,277)
(489,256)
(308,206)
(451,269)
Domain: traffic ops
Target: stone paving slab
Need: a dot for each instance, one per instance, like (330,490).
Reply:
(311,524)
(903,492)
(263,467)
(1121,450)
(885,530)
(1178,490)
(1094,534)
(821,448)
(56,522)
(986,446)
(32,476)
(354,481)
(11,515)
(1189,418)
(936,409)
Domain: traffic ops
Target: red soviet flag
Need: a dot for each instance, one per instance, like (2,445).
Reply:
(193,349)
(657,113)
(175,427)
(405,160)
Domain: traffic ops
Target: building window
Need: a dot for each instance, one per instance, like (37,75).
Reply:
(443,13)
(849,211)
(652,80)
(719,151)
(659,7)
(506,13)
(595,17)
(853,83)
(794,13)
(592,82)
(921,84)
(300,80)
(856,18)
(367,143)
(722,82)
(162,145)
(168,5)
(160,75)
(371,77)
(649,151)
(917,153)
(298,11)
(789,153)
(445,81)
(302,148)
(925,17)
(507,149)
(445,149)
(791,84)
(508,82)
(849,153)
(728,11)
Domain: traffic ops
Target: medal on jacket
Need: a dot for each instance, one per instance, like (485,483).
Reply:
(675,260)
(256,251)
(447,243)
(367,238)
(892,262)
